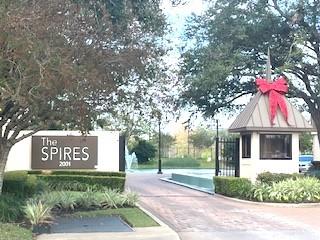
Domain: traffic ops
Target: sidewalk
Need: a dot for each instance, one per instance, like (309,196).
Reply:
(149,233)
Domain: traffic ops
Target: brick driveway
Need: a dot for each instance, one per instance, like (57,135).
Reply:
(196,215)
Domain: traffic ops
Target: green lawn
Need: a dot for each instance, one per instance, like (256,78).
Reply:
(177,163)
(10,231)
(133,216)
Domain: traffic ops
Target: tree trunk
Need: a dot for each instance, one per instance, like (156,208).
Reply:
(4,152)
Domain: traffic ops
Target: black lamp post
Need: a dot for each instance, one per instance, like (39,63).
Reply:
(217,149)
(159,160)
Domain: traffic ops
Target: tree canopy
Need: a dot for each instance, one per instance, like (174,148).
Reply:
(226,48)
(66,61)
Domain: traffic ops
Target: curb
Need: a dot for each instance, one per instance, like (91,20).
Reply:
(187,185)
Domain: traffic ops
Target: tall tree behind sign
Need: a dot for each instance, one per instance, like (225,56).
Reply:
(66,60)
(229,45)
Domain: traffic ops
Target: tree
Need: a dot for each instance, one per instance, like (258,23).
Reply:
(202,138)
(63,62)
(137,113)
(305,143)
(228,50)
(144,151)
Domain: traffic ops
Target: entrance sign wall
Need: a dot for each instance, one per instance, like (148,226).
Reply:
(62,150)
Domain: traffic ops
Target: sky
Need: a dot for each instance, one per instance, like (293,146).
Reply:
(177,16)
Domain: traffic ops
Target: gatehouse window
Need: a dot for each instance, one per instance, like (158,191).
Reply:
(246,146)
(275,146)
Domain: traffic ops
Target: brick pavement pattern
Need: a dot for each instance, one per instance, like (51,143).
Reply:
(196,215)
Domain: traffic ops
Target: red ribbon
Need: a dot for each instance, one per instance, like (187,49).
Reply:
(276,90)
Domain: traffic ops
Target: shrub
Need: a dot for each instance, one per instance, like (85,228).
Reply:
(112,199)
(314,170)
(69,201)
(82,182)
(37,212)
(10,210)
(89,199)
(131,199)
(270,178)
(144,151)
(233,186)
(21,184)
(290,191)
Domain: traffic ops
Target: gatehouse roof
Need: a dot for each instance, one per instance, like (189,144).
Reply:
(255,117)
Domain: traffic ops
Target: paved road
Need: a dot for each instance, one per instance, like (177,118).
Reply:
(200,216)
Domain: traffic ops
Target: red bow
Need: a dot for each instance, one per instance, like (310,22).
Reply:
(276,91)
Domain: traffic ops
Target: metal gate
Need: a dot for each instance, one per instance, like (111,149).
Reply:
(227,157)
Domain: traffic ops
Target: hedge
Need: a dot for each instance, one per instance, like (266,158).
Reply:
(83,182)
(270,178)
(233,186)
(21,183)
(10,208)
(79,172)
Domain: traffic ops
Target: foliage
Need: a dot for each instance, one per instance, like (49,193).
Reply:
(82,182)
(37,212)
(112,199)
(270,178)
(14,232)
(89,199)
(69,201)
(10,210)
(80,172)
(144,151)
(314,170)
(281,188)
(131,199)
(226,47)
(64,62)
(305,143)
(233,186)
(166,140)
(202,138)
(290,190)
(22,184)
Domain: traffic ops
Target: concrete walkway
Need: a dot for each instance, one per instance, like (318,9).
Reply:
(200,216)
(150,233)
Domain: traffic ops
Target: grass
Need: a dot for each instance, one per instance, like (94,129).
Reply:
(186,162)
(135,217)
(14,232)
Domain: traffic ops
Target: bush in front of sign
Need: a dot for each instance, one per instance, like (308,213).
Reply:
(82,172)
(22,184)
(9,212)
(82,182)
